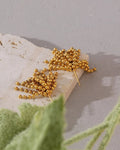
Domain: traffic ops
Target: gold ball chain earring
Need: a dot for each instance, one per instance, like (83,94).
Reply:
(39,84)
(68,60)
(44,84)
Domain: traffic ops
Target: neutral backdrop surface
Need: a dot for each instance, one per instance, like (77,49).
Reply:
(91,25)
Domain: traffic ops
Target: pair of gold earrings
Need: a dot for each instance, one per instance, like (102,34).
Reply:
(44,82)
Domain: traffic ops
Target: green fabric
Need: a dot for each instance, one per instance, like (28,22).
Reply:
(27,111)
(36,128)
(10,125)
(42,128)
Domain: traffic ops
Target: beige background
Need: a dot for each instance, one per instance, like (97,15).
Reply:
(93,26)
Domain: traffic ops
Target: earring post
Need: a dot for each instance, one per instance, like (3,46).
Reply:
(77,77)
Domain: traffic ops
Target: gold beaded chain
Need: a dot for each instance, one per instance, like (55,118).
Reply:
(68,60)
(39,84)
(43,83)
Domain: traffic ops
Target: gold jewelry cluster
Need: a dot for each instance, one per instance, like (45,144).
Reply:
(44,82)
(39,84)
(68,60)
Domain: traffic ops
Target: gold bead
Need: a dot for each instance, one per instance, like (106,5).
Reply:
(94,69)
(32,86)
(28,86)
(33,92)
(42,72)
(50,91)
(39,92)
(86,62)
(36,70)
(83,64)
(40,87)
(82,67)
(23,83)
(17,83)
(53,88)
(29,96)
(88,71)
(46,61)
(20,96)
(29,79)
(67,56)
(16,88)
(73,66)
(69,59)
(34,74)
(83,61)
(26,90)
(36,94)
(44,69)
(77,67)
(43,89)
(47,87)
(33,96)
(30,91)
(45,94)
(24,96)
(21,89)
(91,70)
(54,85)
(63,50)
(36,87)
(55,49)
(37,73)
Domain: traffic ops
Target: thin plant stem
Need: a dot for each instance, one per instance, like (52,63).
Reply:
(93,140)
(97,135)
(110,130)
(86,133)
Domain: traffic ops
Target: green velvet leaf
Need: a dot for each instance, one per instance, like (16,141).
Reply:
(45,131)
(10,125)
(27,111)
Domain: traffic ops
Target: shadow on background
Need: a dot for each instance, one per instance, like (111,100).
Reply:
(42,43)
(92,87)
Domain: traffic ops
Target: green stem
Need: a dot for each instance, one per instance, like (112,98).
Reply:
(110,130)
(86,133)
(93,140)
(97,135)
